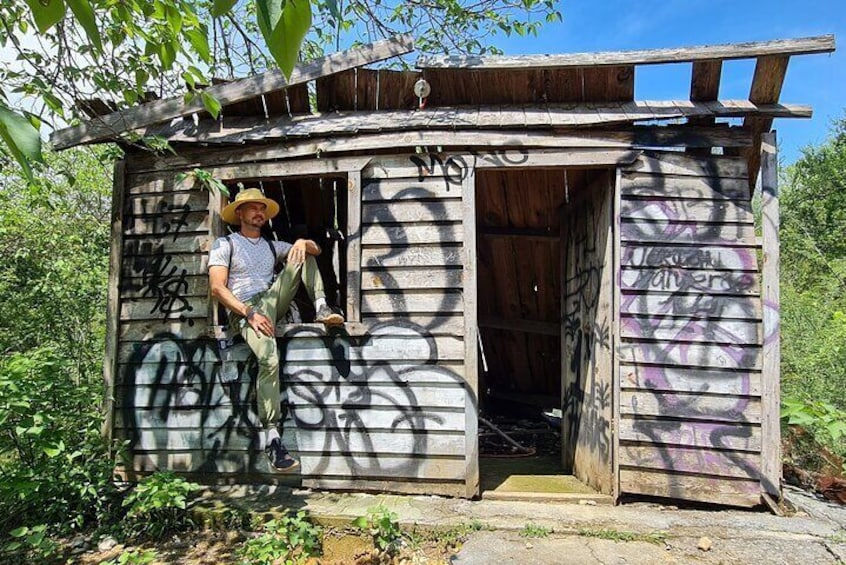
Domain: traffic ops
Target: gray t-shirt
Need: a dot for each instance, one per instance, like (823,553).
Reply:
(250,263)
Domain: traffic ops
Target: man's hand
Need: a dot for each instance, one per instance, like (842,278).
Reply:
(297,254)
(261,324)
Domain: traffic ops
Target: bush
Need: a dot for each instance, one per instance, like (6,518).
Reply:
(290,540)
(383,527)
(158,506)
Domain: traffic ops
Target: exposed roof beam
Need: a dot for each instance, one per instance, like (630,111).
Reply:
(803,46)
(116,123)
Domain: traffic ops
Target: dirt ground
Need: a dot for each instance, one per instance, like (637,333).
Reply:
(340,547)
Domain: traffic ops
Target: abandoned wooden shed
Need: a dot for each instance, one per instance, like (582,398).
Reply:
(512,234)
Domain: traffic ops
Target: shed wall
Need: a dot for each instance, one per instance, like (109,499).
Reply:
(381,403)
(690,331)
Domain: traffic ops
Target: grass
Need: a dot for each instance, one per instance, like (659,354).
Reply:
(535,531)
(657,538)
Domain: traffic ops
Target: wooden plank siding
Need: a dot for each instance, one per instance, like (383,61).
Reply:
(587,337)
(381,401)
(689,351)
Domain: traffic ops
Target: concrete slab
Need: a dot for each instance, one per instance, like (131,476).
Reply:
(630,533)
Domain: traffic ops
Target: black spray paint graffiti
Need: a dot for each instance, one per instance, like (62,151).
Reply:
(454,168)
(587,331)
(179,411)
(357,409)
(688,301)
(154,274)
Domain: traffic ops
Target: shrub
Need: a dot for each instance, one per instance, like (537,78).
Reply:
(383,527)
(292,538)
(158,506)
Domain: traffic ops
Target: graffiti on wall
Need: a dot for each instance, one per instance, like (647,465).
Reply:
(342,392)
(689,312)
(587,333)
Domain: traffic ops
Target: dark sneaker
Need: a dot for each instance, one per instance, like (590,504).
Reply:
(327,316)
(279,458)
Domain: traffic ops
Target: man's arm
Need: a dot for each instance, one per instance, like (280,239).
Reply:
(301,248)
(218,276)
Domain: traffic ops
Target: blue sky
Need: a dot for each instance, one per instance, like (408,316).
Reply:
(817,80)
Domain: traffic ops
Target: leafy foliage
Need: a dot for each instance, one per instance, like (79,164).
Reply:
(291,540)
(157,506)
(133,557)
(130,51)
(383,527)
(55,468)
(813,294)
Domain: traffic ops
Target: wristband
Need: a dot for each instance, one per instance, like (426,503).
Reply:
(250,315)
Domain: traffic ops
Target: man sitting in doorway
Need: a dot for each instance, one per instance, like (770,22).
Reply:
(241,277)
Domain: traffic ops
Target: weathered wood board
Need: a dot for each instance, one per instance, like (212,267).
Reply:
(381,400)
(586,337)
(690,331)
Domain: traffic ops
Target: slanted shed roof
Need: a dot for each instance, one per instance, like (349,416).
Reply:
(536,92)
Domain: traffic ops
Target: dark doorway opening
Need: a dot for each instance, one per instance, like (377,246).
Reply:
(526,235)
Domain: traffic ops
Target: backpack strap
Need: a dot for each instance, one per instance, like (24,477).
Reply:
(232,250)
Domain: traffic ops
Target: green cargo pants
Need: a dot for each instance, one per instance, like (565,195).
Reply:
(274,303)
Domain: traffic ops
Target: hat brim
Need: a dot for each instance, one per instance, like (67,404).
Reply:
(228,212)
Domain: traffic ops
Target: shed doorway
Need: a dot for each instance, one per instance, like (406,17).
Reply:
(544,250)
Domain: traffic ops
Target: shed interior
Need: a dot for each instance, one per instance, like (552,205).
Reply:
(525,220)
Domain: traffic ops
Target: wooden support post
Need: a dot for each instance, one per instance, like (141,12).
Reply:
(771,376)
(615,336)
(354,246)
(113,300)
(471,335)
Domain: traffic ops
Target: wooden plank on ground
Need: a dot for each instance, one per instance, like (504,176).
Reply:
(105,127)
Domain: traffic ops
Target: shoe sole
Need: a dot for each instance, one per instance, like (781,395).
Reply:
(291,469)
(332,320)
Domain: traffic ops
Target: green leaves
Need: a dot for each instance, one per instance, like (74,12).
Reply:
(284,24)
(46,13)
(22,139)
(85,16)
(221,7)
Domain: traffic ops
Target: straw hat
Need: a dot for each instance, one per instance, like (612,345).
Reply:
(248,195)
